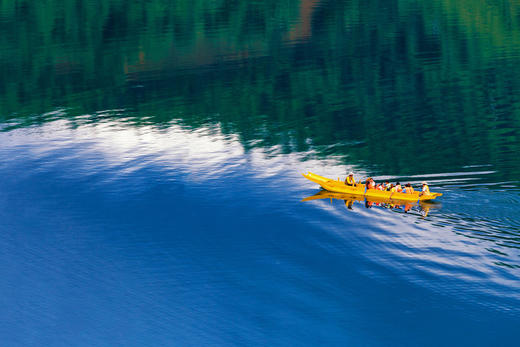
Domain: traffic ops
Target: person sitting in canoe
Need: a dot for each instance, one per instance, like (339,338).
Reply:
(370,183)
(391,188)
(350,181)
(408,189)
(425,189)
(398,187)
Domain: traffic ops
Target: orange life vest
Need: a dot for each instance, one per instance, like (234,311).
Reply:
(408,190)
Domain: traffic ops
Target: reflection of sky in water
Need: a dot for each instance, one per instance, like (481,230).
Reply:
(175,215)
(454,246)
(204,153)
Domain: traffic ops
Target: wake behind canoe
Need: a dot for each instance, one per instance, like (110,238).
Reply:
(359,189)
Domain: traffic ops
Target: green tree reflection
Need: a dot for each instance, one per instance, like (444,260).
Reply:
(396,86)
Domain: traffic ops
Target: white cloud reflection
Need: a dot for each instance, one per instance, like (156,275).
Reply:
(415,248)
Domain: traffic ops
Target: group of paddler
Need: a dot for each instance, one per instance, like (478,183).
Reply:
(386,186)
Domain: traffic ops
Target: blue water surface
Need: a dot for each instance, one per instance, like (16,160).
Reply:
(151,154)
(114,235)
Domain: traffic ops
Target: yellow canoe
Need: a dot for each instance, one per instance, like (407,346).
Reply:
(359,190)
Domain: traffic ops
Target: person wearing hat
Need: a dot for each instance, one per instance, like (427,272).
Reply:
(425,189)
(349,181)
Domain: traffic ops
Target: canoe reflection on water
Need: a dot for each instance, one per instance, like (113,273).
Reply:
(423,207)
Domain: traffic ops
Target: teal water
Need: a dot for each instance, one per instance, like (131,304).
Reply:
(151,155)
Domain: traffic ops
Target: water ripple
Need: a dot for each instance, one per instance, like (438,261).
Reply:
(461,250)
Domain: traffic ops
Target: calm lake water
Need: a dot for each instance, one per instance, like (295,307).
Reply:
(151,155)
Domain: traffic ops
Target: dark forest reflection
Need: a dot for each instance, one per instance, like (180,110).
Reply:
(394,86)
